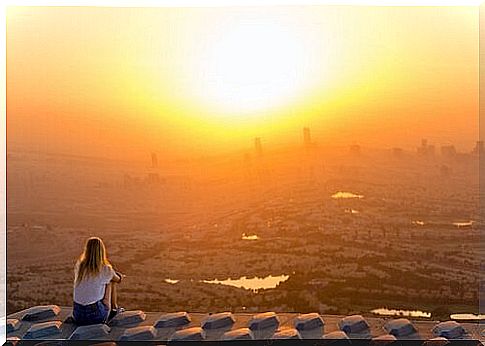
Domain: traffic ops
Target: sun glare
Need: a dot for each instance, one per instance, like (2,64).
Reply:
(253,67)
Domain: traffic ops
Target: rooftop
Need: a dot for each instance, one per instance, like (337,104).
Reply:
(49,323)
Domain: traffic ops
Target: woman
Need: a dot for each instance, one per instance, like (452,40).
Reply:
(94,285)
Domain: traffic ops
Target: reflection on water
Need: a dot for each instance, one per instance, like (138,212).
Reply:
(394,312)
(418,223)
(252,283)
(171,281)
(463,224)
(467,317)
(341,194)
(352,211)
(249,236)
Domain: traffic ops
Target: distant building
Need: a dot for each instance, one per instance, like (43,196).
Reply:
(306,137)
(397,152)
(478,148)
(355,149)
(425,149)
(445,171)
(153,178)
(154,160)
(258,147)
(448,151)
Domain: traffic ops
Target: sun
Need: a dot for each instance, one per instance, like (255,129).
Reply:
(252,68)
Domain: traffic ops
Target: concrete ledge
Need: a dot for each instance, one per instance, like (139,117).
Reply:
(263,321)
(287,333)
(449,330)
(337,335)
(219,320)
(189,334)
(40,330)
(12,325)
(382,340)
(128,317)
(141,333)
(238,334)
(309,321)
(353,324)
(400,327)
(91,332)
(41,312)
(173,319)
(438,341)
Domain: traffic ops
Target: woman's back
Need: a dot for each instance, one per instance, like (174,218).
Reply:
(94,292)
(92,287)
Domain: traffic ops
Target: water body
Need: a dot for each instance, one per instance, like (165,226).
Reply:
(254,284)
(463,224)
(171,281)
(395,312)
(465,317)
(352,211)
(341,194)
(249,236)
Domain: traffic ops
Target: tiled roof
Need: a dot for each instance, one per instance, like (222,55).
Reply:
(49,323)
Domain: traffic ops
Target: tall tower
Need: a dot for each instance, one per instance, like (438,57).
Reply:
(479,148)
(306,137)
(258,147)
(154,160)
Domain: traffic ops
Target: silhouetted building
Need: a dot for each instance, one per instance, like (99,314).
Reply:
(425,149)
(247,165)
(258,147)
(154,160)
(445,171)
(306,137)
(478,148)
(355,149)
(397,152)
(448,151)
(153,178)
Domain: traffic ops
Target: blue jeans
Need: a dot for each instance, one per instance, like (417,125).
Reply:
(90,314)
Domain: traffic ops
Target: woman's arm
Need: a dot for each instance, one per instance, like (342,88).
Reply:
(117,277)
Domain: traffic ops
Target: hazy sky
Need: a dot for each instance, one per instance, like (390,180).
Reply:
(125,81)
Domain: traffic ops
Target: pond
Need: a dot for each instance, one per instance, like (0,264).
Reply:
(341,194)
(396,312)
(254,284)
(249,236)
(171,281)
(467,317)
(463,224)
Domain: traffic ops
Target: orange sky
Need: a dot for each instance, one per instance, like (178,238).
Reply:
(123,82)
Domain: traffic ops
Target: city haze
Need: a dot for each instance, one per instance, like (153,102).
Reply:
(307,159)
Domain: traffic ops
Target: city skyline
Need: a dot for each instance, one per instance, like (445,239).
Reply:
(195,89)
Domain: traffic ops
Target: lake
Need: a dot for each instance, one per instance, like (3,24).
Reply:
(171,281)
(249,236)
(341,194)
(395,312)
(463,224)
(254,284)
(467,317)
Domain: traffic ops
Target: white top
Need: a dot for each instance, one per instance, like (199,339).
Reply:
(91,289)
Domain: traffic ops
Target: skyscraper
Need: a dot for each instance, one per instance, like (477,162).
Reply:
(448,151)
(478,148)
(154,160)
(354,150)
(306,137)
(258,147)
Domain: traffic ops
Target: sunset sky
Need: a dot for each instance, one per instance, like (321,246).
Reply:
(189,81)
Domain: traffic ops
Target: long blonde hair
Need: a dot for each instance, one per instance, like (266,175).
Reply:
(91,260)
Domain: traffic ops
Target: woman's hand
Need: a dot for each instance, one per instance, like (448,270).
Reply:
(118,277)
